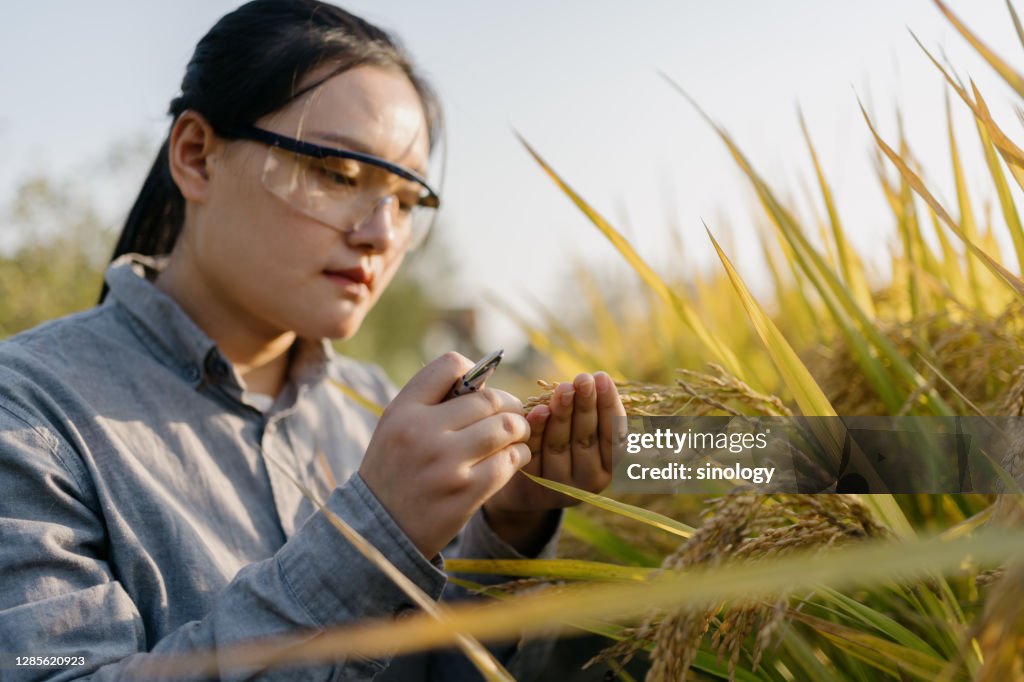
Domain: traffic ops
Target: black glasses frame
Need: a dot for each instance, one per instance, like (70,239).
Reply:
(250,132)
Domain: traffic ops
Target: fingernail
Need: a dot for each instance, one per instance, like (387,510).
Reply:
(567,397)
(587,389)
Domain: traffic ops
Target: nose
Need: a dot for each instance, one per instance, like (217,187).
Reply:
(375,231)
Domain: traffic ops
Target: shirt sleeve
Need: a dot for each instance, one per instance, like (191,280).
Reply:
(61,595)
(525,658)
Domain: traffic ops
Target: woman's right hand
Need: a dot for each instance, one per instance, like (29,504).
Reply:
(432,464)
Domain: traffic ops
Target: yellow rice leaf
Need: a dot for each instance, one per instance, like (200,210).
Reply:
(1011,153)
(800,316)
(567,363)
(952,275)
(848,263)
(479,656)
(684,310)
(864,564)
(967,223)
(1006,203)
(555,569)
(808,395)
(1008,73)
(609,330)
(1015,284)
(358,398)
(880,359)
(629,511)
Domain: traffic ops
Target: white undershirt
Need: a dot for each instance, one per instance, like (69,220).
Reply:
(260,401)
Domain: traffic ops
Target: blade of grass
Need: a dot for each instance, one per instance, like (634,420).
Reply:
(555,569)
(629,511)
(852,321)
(484,661)
(656,283)
(565,361)
(863,564)
(1015,80)
(894,659)
(805,657)
(358,398)
(808,395)
(1006,203)
(952,275)
(1001,273)
(1016,22)
(1011,153)
(876,620)
(967,224)
(605,541)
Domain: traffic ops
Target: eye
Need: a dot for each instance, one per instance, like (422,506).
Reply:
(340,178)
(341,174)
(408,198)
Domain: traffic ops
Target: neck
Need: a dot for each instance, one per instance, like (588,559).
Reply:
(259,353)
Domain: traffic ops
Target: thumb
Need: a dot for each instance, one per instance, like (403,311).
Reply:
(431,384)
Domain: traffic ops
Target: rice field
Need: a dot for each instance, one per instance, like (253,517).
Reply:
(776,588)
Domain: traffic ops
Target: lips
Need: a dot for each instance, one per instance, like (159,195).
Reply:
(354,279)
(355,274)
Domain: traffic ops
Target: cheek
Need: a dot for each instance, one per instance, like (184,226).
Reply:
(259,240)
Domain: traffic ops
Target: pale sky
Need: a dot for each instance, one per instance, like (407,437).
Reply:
(579,80)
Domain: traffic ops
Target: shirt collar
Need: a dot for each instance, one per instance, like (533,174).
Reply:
(180,344)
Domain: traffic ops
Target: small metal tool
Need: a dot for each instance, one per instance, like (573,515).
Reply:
(472,380)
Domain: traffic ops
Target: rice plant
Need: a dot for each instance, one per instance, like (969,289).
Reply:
(784,587)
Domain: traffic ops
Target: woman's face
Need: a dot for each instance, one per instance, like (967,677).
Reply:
(281,270)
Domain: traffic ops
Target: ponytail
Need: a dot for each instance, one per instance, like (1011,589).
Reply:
(249,65)
(153,225)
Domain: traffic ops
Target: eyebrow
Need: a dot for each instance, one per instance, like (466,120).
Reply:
(356,146)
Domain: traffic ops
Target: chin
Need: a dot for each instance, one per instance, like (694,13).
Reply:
(338,329)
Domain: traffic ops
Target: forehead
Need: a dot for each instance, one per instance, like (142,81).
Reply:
(369,109)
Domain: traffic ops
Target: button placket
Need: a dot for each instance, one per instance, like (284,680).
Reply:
(280,462)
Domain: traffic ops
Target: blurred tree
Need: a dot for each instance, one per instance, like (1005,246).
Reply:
(55,264)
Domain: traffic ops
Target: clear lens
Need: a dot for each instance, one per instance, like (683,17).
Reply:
(344,193)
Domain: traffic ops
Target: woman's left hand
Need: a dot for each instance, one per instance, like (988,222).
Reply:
(571,442)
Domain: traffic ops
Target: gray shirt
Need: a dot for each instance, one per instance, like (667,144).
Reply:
(141,509)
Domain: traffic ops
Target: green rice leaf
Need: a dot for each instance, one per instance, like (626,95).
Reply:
(893,659)
(605,541)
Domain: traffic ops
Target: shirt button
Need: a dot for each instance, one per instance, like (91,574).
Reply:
(405,611)
(192,373)
(220,369)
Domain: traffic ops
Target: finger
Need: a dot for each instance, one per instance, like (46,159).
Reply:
(586,448)
(609,407)
(431,384)
(538,419)
(556,452)
(490,474)
(470,408)
(487,436)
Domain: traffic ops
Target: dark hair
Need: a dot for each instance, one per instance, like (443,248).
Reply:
(249,65)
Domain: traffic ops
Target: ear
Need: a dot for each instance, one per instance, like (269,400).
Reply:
(192,147)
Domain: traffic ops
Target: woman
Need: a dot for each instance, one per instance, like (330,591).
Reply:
(150,447)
